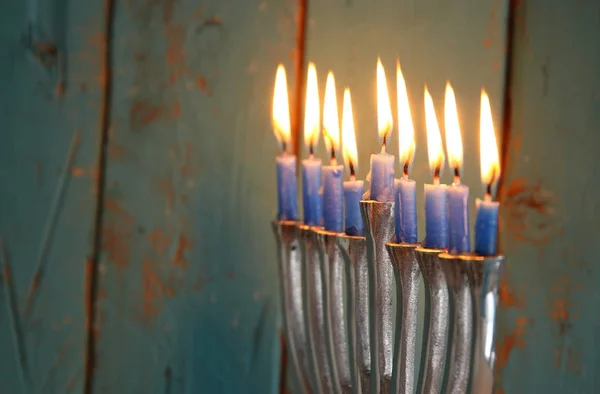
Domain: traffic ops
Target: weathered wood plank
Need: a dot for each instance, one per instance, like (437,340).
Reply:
(550,320)
(188,296)
(52,69)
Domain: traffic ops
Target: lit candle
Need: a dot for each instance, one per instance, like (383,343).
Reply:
(486,222)
(382,164)
(333,191)
(311,167)
(286,163)
(436,195)
(353,189)
(406,189)
(458,194)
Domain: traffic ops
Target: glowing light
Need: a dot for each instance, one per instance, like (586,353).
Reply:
(406,128)
(488,146)
(434,139)
(331,122)
(348,135)
(312,115)
(385,121)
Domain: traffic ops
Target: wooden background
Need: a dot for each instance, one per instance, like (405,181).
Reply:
(137,180)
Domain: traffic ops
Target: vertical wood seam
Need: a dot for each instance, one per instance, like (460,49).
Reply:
(91,277)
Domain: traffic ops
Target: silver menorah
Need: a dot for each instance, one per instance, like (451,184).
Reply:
(337,300)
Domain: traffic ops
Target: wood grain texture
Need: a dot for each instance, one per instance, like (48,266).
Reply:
(52,72)
(187,291)
(549,317)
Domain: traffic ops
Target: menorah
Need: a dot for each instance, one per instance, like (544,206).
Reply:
(338,313)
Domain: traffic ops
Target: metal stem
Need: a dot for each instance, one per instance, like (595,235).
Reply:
(484,274)
(461,323)
(354,251)
(435,327)
(333,300)
(290,279)
(312,294)
(379,228)
(407,274)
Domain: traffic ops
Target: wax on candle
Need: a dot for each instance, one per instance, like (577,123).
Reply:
(382,164)
(436,195)
(486,221)
(458,194)
(458,219)
(406,208)
(353,191)
(286,163)
(406,189)
(436,216)
(333,198)
(486,227)
(311,188)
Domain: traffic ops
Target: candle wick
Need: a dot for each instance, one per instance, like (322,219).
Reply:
(405,170)
(284,147)
(436,173)
(332,154)
(488,192)
(352,171)
(311,149)
(456,176)
(436,180)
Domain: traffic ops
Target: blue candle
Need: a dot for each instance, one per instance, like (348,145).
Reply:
(286,163)
(333,198)
(286,188)
(406,189)
(353,189)
(458,213)
(311,167)
(311,188)
(406,211)
(486,221)
(436,195)
(486,227)
(458,195)
(382,164)
(333,190)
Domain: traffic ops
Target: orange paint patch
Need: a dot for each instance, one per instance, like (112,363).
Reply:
(114,207)
(202,85)
(77,171)
(142,113)
(182,245)
(116,242)
(154,290)
(509,342)
(166,187)
(487,43)
(159,240)
(508,299)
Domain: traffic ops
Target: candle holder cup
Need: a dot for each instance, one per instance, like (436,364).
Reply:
(435,326)
(332,276)
(290,280)
(407,274)
(314,320)
(354,251)
(379,229)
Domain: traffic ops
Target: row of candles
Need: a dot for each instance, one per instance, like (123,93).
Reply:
(327,199)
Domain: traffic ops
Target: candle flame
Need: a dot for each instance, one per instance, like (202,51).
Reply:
(454,144)
(331,122)
(434,139)
(488,147)
(384,108)
(406,129)
(312,115)
(348,135)
(281,109)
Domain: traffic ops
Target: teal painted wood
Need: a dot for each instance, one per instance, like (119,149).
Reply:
(188,293)
(50,106)
(458,41)
(549,320)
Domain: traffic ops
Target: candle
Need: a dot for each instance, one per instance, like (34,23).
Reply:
(458,195)
(333,191)
(382,164)
(311,167)
(406,189)
(486,222)
(286,163)
(436,195)
(353,189)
